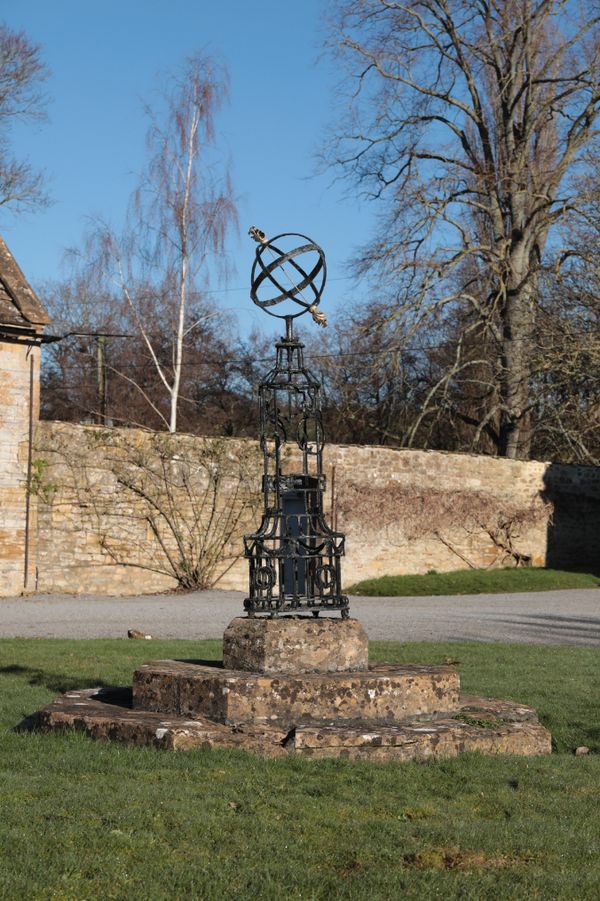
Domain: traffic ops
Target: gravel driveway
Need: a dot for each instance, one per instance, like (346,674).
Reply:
(548,617)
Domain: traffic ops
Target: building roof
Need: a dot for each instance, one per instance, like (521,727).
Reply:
(19,304)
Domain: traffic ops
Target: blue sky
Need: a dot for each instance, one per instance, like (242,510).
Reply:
(106,59)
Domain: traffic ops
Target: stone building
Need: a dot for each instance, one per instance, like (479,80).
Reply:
(22,322)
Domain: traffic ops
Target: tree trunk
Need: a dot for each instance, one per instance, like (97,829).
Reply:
(519,322)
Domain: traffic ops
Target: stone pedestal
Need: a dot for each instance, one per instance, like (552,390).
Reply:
(300,686)
(383,694)
(295,644)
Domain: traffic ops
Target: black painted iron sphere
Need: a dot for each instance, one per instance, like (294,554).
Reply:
(289,272)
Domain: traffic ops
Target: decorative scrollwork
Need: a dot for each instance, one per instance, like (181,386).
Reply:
(310,434)
(264,577)
(325,576)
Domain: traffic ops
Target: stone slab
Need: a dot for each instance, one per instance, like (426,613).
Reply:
(408,741)
(295,644)
(492,708)
(105,714)
(383,693)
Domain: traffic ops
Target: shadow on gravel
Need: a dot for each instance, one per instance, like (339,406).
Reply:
(553,626)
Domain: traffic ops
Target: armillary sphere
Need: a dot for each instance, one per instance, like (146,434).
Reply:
(289,271)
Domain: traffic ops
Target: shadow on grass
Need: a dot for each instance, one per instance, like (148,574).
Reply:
(58,682)
(61,682)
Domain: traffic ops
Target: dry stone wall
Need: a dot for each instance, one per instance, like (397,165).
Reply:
(403,511)
(128,510)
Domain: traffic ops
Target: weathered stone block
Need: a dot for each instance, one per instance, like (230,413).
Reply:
(295,644)
(434,739)
(107,714)
(384,693)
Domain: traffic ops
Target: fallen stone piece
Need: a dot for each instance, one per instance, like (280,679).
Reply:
(383,693)
(105,714)
(295,644)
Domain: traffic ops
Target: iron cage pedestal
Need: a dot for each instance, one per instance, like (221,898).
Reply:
(294,555)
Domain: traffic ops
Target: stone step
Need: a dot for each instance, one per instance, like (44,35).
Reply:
(483,725)
(436,738)
(106,713)
(383,693)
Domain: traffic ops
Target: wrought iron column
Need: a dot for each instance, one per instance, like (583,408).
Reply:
(294,556)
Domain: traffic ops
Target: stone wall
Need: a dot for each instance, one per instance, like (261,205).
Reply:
(403,511)
(414,511)
(127,510)
(19,371)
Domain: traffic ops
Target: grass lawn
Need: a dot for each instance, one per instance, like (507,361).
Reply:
(475,581)
(87,820)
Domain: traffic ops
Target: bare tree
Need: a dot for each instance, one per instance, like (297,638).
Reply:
(566,387)
(21,99)
(71,369)
(470,121)
(175,233)
(216,371)
(371,385)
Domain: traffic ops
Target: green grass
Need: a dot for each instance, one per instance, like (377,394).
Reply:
(475,581)
(88,820)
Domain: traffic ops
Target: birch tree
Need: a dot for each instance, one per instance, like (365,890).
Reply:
(469,120)
(176,229)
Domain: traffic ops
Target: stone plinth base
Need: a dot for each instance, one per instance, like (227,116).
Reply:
(299,686)
(384,693)
(295,644)
(490,727)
